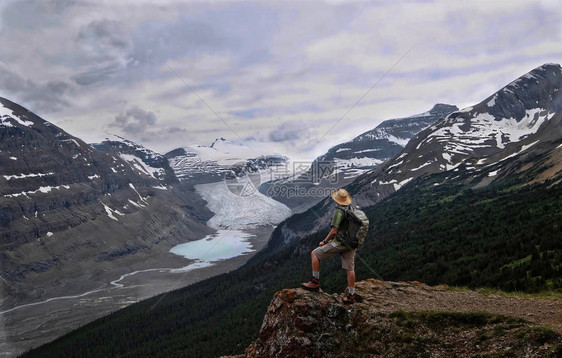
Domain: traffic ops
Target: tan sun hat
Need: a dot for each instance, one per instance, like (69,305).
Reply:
(341,197)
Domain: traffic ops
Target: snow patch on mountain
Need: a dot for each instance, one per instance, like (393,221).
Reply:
(110,212)
(42,189)
(462,134)
(523,148)
(143,167)
(24,176)
(381,133)
(424,114)
(6,114)
(356,162)
(422,166)
(394,182)
(71,140)
(143,199)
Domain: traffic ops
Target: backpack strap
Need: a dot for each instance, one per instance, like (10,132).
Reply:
(345,209)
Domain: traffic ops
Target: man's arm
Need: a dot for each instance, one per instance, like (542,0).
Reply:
(330,236)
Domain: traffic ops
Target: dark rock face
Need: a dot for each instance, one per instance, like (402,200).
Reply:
(539,88)
(70,211)
(127,249)
(46,173)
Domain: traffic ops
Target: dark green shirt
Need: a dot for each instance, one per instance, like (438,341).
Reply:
(337,221)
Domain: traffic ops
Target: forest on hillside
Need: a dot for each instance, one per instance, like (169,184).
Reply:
(504,236)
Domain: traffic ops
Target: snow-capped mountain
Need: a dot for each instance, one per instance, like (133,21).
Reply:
(141,159)
(199,163)
(345,161)
(516,132)
(374,147)
(484,139)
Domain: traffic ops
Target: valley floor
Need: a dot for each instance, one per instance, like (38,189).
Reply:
(28,326)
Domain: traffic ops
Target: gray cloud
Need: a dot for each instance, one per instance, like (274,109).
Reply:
(103,35)
(166,134)
(97,74)
(272,69)
(289,132)
(35,14)
(104,49)
(135,121)
(45,97)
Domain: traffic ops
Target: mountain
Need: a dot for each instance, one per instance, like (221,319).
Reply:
(374,147)
(76,215)
(403,319)
(344,162)
(141,159)
(489,140)
(516,129)
(200,164)
(460,227)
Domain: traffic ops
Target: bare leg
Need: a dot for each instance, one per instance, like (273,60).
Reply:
(315,262)
(314,284)
(350,278)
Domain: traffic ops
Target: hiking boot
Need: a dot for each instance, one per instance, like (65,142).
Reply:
(313,285)
(350,299)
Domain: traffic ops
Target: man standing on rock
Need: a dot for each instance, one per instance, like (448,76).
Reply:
(334,244)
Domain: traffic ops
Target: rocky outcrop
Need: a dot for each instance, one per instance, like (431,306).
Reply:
(407,319)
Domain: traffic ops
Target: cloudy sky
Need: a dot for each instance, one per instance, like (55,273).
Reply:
(274,74)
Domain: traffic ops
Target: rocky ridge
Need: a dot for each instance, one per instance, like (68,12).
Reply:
(346,161)
(397,319)
(141,159)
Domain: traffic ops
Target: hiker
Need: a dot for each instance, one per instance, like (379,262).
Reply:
(334,244)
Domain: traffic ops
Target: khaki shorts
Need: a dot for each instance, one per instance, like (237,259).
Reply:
(331,248)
